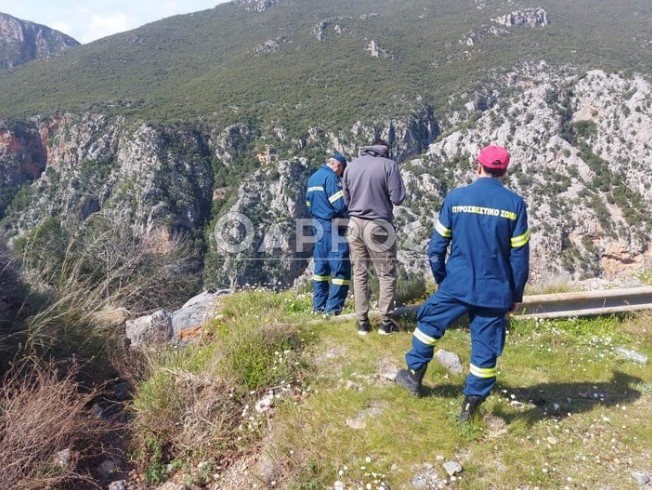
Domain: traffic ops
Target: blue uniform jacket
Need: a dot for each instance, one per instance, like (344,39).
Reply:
(486,226)
(324,195)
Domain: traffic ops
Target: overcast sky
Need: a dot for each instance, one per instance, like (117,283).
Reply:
(88,20)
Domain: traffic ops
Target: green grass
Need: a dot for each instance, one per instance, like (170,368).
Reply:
(567,410)
(196,403)
(544,426)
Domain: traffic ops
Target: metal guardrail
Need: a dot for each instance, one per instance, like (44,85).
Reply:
(587,303)
(564,305)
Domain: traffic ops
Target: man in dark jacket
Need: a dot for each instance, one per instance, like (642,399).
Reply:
(372,187)
(486,227)
(332,269)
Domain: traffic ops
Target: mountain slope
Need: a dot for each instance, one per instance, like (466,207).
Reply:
(309,59)
(22,41)
(196,119)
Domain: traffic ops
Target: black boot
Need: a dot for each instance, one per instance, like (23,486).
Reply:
(470,407)
(411,379)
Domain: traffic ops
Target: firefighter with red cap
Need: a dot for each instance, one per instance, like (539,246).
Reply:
(486,227)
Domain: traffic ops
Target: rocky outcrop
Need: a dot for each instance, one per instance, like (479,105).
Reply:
(24,41)
(257,5)
(319,31)
(578,141)
(269,46)
(376,51)
(272,45)
(180,327)
(150,330)
(531,17)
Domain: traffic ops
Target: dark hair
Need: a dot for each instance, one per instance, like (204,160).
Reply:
(494,172)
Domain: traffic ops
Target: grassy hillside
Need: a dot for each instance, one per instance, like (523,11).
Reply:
(271,396)
(567,411)
(207,64)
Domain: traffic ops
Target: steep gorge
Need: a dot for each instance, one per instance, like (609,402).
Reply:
(580,142)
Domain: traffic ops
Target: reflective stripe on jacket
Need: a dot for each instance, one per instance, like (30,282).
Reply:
(486,225)
(324,196)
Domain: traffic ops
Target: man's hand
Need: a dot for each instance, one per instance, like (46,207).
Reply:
(512,309)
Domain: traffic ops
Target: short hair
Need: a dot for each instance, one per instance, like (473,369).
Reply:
(494,172)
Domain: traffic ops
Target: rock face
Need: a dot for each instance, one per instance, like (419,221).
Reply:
(262,236)
(23,158)
(150,330)
(580,144)
(23,41)
(533,17)
(140,173)
(257,5)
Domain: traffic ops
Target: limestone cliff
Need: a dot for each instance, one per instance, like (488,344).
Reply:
(22,41)
(580,145)
(581,158)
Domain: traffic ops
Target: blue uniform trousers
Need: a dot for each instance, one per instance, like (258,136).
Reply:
(488,327)
(332,270)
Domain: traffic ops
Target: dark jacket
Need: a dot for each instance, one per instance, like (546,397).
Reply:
(373,184)
(324,196)
(489,258)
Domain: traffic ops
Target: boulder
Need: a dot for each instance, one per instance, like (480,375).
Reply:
(150,329)
(450,361)
(187,322)
(206,298)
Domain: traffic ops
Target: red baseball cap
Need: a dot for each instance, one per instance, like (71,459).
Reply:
(494,157)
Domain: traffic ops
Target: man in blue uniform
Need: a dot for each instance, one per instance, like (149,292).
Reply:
(486,227)
(332,269)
